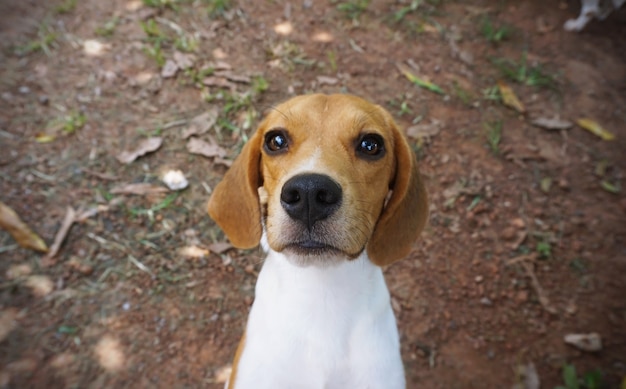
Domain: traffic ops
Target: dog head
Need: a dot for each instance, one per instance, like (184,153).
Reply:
(325,177)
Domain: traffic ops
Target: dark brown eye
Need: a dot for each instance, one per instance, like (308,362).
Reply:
(276,141)
(371,146)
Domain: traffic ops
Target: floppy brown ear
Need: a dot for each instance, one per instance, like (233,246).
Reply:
(234,204)
(406,212)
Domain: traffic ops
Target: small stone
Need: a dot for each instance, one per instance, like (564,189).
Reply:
(486,301)
(126,306)
(44,100)
(518,223)
(24,90)
(478,279)
(587,342)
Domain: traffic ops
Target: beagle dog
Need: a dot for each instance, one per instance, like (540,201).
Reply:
(330,188)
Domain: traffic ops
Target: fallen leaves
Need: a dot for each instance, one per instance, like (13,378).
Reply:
(109,353)
(595,128)
(7,322)
(40,285)
(139,189)
(509,98)
(422,83)
(210,150)
(23,235)
(145,146)
(201,124)
(553,123)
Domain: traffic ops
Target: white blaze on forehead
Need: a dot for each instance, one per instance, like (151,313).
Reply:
(312,164)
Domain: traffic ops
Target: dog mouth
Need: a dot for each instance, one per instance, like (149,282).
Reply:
(315,248)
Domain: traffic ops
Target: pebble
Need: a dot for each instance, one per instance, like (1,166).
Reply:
(586,342)
(478,279)
(486,301)
(508,233)
(126,306)
(24,90)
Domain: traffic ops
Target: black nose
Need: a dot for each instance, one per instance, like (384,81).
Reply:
(310,197)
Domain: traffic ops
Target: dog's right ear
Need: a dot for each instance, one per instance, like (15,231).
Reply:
(234,204)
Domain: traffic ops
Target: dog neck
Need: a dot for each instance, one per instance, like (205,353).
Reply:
(329,325)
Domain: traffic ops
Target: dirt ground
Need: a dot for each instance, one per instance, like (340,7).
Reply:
(526,241)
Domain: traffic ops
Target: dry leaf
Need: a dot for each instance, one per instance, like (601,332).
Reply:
(18,271)
(325,80)
(184,61)
(201,123)
(25,237)
(230,76)
(70,218)
(198,146)
(145,146)
(553,123)
(509,98)
(140,189)
(193,252)
(595,128)
(40,285)
(44,138)
(219,82)
(169,70)
(424,130)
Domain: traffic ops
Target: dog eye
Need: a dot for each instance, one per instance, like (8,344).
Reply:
(371,146)
(275,141)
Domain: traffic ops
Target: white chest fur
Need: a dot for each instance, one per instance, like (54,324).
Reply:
(320,327)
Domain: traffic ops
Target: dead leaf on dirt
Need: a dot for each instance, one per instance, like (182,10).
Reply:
(595,128)
(70,218)
(210,150)
(7,322)
(18,271)
(62,361)
(175,180)
(184,61)
(424,130)
(509,98)
(169,69)
(550,152)
(41,286)
(44,138)
(218,82)
(201,123)
(222,161)
(220,247)
(23,235)
(139,189)
(193,252)
(554,123)
(325,80)
(109,353)
(145,146)
(230,76)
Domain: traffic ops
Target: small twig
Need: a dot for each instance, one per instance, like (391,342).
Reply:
(102,176)
(522,258)
(140,265)
(175,123)
(70,218)
(543,298)
(43,176)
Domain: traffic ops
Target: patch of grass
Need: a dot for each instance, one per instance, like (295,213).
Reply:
(332,60)
(162,4)
(493,135)
(353,9)
(544,249)
(590,380)
(288,54)
(259,85)
(69,124)
(46,37)
(216,8)
(66,7)
(524,73)
(197,75)
(463,94)
(108,28)
(400,14)
(166,202)
(186,43)
(492,93)
(156,39)
(578,266)
(493,33)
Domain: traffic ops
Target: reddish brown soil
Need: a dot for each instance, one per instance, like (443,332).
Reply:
(468,317)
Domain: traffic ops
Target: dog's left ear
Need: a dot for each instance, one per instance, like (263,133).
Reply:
(234,204)
(406,212)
